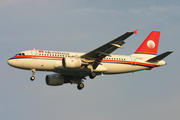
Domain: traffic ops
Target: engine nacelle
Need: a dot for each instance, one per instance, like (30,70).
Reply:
(54,80)
(71,62)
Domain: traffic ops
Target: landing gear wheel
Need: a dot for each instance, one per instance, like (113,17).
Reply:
(92,75)
(32,78)
(80,86)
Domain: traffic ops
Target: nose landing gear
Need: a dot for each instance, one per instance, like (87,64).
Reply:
(32,78)
(33,73)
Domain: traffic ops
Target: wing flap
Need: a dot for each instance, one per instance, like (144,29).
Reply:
(108,48)
(105,50)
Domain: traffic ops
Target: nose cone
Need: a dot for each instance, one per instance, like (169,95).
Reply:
(11,62)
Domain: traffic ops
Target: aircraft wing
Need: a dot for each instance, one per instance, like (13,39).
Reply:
(105,50)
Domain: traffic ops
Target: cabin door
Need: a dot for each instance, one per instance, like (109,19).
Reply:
(133,60)
(33,54)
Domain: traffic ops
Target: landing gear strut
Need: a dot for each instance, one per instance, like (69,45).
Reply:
(33,73)
(80,86)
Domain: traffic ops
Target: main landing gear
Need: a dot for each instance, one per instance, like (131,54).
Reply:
(33,73)
(80,86)
(92,75)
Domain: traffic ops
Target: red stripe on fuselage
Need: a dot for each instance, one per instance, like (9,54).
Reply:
(131,63)
(104,60)
(34,57)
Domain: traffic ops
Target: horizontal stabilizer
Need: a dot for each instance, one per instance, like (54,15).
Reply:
(159,57)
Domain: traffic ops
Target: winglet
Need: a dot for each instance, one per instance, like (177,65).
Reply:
(135,31)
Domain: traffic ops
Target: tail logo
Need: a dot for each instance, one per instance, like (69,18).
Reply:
(151,44)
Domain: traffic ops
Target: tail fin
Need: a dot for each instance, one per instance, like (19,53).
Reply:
(150,44)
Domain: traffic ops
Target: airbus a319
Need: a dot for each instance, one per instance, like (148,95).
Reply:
(73,67)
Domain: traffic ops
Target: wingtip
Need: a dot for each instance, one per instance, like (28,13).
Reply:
(171,51)
(135,31)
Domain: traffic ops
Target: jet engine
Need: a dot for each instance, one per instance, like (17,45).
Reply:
(55,80)
(71,62)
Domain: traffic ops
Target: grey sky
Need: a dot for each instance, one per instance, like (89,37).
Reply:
(83,25)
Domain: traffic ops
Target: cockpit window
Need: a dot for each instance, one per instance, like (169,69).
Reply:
(19,54)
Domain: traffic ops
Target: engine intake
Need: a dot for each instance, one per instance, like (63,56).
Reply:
(71,62)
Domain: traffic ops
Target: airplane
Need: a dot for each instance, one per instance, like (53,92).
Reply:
(74,67)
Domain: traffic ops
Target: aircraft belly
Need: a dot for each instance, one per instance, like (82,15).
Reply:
(51,65)
(73,71)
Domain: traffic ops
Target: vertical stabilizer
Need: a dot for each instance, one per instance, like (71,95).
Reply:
(150,44)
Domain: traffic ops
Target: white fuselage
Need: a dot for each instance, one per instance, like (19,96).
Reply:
(44,60)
